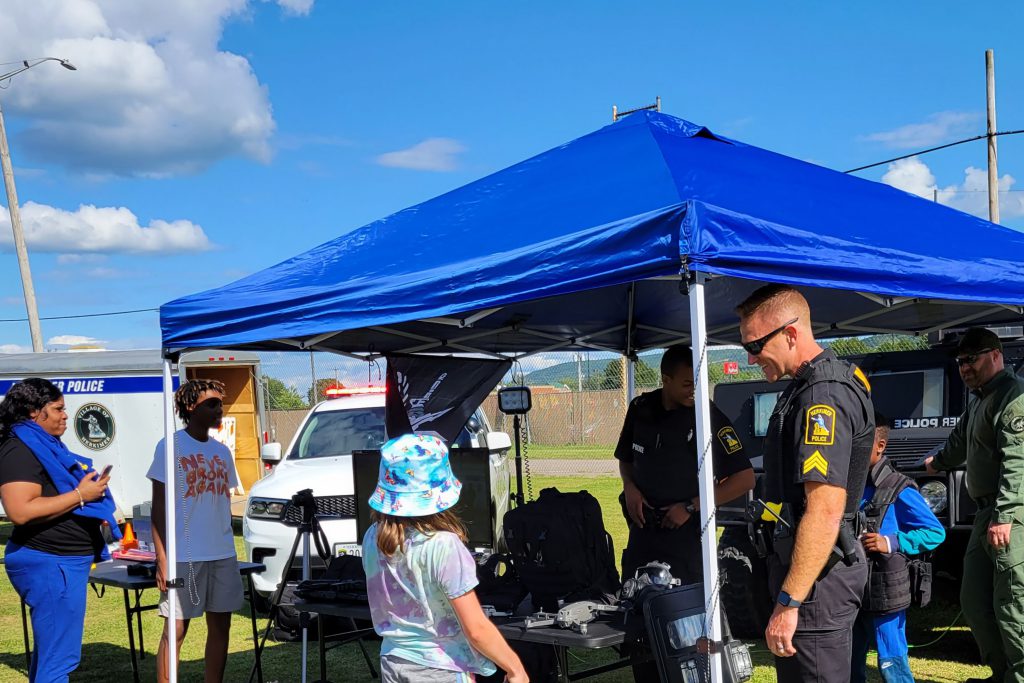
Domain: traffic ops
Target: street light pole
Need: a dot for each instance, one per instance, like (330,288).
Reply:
(12,207)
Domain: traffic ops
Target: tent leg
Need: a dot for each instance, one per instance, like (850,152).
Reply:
(170,542)
(709,538)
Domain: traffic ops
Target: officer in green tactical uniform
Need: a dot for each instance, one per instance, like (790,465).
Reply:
(990,437)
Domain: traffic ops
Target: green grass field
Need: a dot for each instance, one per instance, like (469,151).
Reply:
(105,648)
(543,452)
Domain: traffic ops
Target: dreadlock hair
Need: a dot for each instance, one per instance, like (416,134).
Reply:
(391,529)
(188,395)
(23,399)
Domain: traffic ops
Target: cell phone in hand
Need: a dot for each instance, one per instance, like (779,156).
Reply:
(106,471)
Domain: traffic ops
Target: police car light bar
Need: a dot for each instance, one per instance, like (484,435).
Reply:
(338,392)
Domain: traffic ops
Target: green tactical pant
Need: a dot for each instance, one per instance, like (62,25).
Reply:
(992,596)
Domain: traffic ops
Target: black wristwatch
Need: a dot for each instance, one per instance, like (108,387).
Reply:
(787,600)
(690,507)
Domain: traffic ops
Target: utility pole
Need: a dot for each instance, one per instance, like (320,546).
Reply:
(993,167)
(19,242)
(12,206)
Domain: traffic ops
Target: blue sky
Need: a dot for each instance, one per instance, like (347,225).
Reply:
(199,142)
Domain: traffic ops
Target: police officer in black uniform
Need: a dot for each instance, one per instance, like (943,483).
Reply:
(816,458)
(658,456)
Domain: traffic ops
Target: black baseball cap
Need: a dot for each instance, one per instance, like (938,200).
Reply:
(978,339)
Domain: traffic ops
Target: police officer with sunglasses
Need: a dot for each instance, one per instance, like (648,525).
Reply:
(816,458)
(990,438)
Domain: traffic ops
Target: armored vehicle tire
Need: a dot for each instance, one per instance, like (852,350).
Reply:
(745,596)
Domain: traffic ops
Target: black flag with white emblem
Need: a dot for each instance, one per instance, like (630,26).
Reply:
(437,393)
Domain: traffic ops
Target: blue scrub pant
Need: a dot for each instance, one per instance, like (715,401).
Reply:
(54,587)
(889,634)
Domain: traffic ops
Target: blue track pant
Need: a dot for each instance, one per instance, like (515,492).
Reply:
(54,587)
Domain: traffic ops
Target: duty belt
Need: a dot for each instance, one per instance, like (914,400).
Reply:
(845,549)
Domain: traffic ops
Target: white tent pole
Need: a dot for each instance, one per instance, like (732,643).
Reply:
(170,542)
(706,475)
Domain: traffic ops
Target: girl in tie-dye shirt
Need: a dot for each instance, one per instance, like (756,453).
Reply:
(420,578)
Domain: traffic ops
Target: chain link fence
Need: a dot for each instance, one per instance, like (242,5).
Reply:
(579,399)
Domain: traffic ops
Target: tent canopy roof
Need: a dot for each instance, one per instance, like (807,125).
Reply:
(560,251)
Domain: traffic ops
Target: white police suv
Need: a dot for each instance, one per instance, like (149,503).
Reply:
(320,458)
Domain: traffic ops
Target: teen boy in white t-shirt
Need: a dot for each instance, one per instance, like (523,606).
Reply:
(206,557)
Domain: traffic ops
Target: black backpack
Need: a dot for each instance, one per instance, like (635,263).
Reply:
(560,549)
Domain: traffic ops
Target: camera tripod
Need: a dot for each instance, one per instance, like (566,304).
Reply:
(309,527)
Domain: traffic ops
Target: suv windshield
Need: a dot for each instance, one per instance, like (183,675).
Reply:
(339,433)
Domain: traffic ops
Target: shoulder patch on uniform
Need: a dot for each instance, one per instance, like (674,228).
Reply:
(818,462)
(821,426)
(731,442)
(862,378)
(1017,424)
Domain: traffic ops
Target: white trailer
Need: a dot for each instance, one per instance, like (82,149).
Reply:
(115,408)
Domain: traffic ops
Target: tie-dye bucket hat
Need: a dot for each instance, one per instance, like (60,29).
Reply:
(415,477)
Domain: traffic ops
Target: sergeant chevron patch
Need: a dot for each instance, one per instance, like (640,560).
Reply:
(816,462)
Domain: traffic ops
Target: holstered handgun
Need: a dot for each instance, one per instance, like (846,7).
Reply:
(776,535)
(845,549)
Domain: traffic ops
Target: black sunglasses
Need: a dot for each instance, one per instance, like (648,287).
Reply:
(970,359)
(755,347)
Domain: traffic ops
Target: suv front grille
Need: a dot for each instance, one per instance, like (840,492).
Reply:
(327,507)
(906,453)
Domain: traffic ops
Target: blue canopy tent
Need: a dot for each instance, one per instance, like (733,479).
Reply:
(557,248)
(643,233)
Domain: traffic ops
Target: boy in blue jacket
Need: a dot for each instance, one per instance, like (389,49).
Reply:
(907,526)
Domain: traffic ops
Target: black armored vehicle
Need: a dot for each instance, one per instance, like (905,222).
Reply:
(922,393)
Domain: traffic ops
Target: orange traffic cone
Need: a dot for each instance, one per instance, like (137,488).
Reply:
(128,541)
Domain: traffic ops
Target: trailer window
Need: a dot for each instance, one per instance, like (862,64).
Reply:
(339,433)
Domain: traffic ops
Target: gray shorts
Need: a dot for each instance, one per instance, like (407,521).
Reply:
(396,670)
(215,585)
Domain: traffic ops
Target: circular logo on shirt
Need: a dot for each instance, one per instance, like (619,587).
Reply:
(94,426)
(1017,424)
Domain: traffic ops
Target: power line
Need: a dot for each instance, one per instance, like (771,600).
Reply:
(83,315)
(934,149)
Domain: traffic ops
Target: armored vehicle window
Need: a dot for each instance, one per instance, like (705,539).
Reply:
(908,394)
(764,404)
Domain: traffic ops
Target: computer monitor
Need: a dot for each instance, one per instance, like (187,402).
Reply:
(471,466)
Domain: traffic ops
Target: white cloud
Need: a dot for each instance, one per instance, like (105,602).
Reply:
(153,94)
(100,230)
(971,196)
(15,348)
(936,129)
(72,340)
(296,7)
(433,154)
